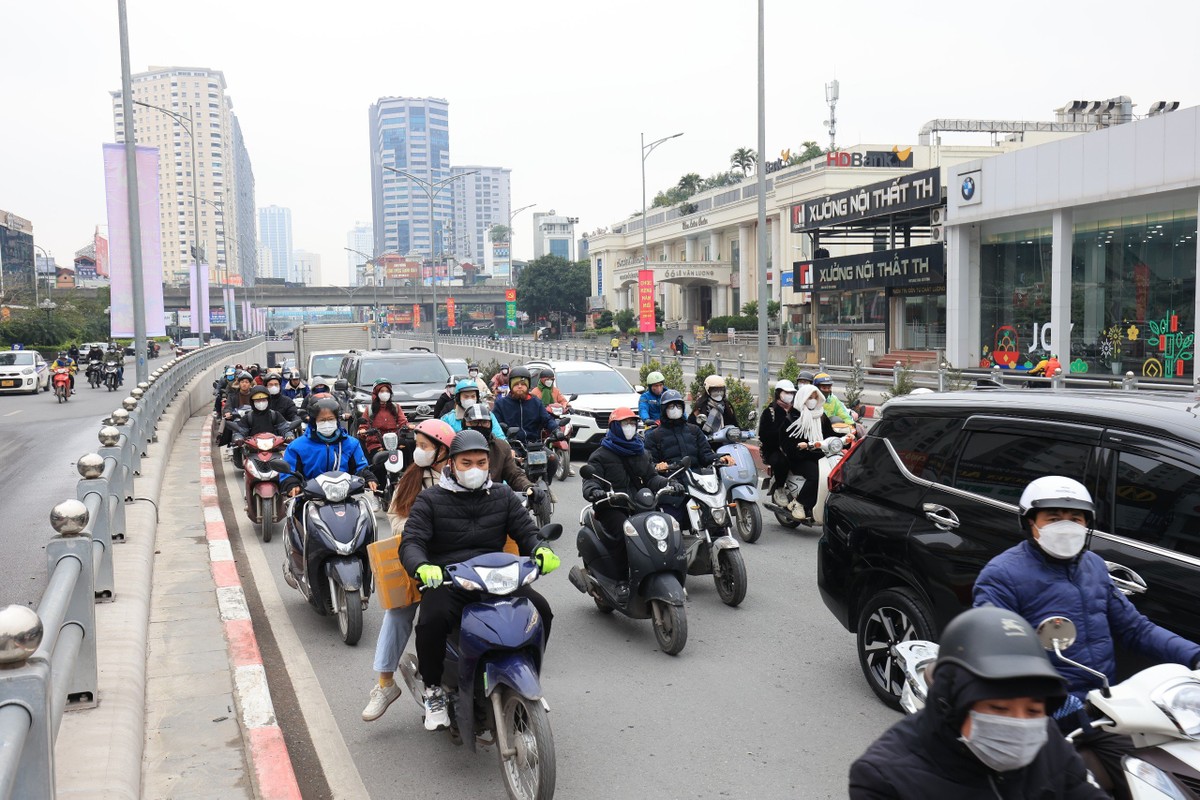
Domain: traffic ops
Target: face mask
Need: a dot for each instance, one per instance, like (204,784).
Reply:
(474,373)
(548,384)
(272,390)
(261,405)
(1063,539)
(486,430)
(674,412)
(787,397)
(503,372)
(472,478)
(467,402)
(1005,743)
(813,404)
(423,458)
(385,397)
(327,428)
(629,431)
(717,396)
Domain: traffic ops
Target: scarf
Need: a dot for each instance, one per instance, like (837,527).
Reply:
(547,395)
(808,427)
(615,441)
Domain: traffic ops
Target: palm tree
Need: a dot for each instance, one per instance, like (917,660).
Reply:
(743,158)
(689,184)
(750,309)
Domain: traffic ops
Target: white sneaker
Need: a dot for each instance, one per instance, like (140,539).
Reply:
(780,497)
(436,716)
(381,698)
(797,510)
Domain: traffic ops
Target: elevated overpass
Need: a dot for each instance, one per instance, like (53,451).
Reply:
(269,296)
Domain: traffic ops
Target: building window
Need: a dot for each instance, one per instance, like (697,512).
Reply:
(1014,301)
(866,307)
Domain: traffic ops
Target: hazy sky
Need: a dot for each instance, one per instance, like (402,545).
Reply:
(556,91)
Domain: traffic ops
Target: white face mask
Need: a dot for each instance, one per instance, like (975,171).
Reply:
(467,402)
(272,390)
(787,397)
(385,397)
(629,431)
(1062,539)
(1005,743)
(474,373)
(548,384)
(472,478)
(327,428)
(674,412)
(261,405)
(423,458)
(503,372)
(717,396)
(813,404)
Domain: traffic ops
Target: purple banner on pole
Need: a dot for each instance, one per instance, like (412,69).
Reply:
(204,310)
(230,308)
(116,191)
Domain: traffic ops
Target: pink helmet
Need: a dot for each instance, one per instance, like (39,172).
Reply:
(438,431)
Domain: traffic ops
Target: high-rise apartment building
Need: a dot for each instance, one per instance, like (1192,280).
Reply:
(307,268)
(482,198)
(359,240)
(245,227)
(554,235)
(275,231)
(192,113)
(410,134)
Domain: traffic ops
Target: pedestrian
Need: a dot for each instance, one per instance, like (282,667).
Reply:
(633,343)
(614,345)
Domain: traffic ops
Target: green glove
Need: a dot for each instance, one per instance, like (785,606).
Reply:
(430,575)
(547,559)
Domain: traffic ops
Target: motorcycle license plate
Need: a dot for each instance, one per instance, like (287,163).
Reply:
(8,384)
(537,457)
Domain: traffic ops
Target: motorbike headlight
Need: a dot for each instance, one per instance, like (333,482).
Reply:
(718,514)
(263,444)
(500,580)
(1180,701)
(468,584)
(1152,776)
(734,435)
(657,527)
(336,491)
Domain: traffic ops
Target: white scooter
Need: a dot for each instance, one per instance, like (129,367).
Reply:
(831,448)
(1159,708)
(711,547)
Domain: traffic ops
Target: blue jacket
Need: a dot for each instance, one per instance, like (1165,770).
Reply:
(1023,580)
(311,456)
(649,407)
(530,416)
(451,419)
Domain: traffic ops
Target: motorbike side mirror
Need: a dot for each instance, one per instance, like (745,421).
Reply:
(685,462)
(514,433)
(753,415)
(551,532)
(587,471)
(572,397)
(341,385)
(1056,633)
(281,466)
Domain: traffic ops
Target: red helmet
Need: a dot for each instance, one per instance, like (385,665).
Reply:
(621,414)
(438,431)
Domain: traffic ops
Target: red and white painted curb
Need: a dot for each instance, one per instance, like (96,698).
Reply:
(268,755)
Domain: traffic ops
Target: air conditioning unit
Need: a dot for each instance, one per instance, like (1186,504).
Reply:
(937,215)
(937,235)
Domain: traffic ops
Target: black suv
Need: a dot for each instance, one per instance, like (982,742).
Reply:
(417,380)
(930,495)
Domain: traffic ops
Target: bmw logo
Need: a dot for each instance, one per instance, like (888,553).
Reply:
(968,188)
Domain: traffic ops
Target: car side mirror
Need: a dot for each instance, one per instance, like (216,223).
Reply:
(341,385)
(639,388)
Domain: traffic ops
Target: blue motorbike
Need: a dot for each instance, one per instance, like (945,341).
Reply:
(491,677)
(740,480)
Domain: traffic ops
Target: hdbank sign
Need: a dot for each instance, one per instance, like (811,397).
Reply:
(893,159)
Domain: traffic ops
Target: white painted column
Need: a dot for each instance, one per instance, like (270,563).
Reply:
(743,256)
(720,300)
(714,245)
(959,333)
(776,259)
(1063,240)
(690,249)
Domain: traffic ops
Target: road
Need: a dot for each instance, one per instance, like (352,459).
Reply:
(767,699)
(42,440)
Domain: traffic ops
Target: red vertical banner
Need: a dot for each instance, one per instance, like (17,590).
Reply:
(449,312)
(646,323)
(416,317)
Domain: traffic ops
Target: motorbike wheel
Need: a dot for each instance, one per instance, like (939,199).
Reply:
(887,618)
(602,605)
(265,525)
(529,771)
(670,627)
(785,519)
(58,393)
(564,464)
(731,583)
(749,521)
(350,615)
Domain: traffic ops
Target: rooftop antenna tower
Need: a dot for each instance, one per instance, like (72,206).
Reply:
(831,97)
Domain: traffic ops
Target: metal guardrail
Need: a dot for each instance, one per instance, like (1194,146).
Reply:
(883,379)
(48,656)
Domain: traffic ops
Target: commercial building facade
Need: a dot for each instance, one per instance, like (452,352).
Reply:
(482,198)
(16,257)
(275,232)
(359,240)
(554,235)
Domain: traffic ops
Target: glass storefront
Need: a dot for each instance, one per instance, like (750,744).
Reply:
(862,307)
(1014,302)
(1133,282)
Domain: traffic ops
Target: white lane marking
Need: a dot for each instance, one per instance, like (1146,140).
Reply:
(18,411)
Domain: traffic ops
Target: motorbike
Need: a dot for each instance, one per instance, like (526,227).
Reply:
(831,448)
(1156,707)
(391,456)
(61,379)
(491,678)
(562,446)
(711,548)
(94,373)
(535,461)
(740,481)
(264,503)
(112,375)
(328,528)
(657,564)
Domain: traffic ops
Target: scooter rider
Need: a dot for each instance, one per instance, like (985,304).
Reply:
(64,361)
(466,394)
(791,436)
(464,516)
(835,409)
(383,416)
(984,731)
(485,393)
(294,387)
(1052,573)
(503,467)
(649,406)
(500,379)
(548,390)
(261,419)
(674,439)
(274,386)
(221,386)
(325,447)
(115,355)
(520,409)
(621,460)
(445,401)
(714,399)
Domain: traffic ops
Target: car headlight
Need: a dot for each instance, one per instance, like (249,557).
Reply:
(425,410)
(27,371)
(1180,701)
(1152,776)
(657,527)
(575,412)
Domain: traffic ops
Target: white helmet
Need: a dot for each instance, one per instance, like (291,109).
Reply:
(713,382)
(1055,491)
(785,386)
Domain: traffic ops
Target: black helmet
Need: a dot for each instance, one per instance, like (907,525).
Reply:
(272,376)
(805,375)
(325,404)
(468,441)
(477,413)
(544,373)
(245,376)
(996,644)
(520,372)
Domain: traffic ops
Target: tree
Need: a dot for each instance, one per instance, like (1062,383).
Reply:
(624,319)
(500,233)
(689,184)
(744,159)
(553,287)
(750,309)
(772,309)
(811,150)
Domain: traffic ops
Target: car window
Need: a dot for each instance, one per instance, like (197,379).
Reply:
(925,444)
(403,370)
(999,465)
(592,382)
(16,359)
(327,365)
(1158,503)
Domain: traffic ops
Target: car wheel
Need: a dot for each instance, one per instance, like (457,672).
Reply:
(888,618)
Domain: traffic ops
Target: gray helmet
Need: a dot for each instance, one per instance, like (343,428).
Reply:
(477,413)
(670,396)
(805,375)
(996,644)
(468,441)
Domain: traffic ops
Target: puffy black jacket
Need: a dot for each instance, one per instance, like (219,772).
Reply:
(625,473)
(773,435)
(284,406)
(447,526)
(257,421)
(675,438)
(920,758)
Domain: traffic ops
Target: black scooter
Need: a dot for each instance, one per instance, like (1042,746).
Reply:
(325,547)
(535,461)
(657,564)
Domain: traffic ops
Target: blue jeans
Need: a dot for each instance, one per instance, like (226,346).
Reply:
(393,636)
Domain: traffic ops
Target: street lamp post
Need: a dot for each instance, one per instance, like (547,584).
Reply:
(510,254)
(36,279)
(647,149)
(219,205)
(373,261)
(432,189)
